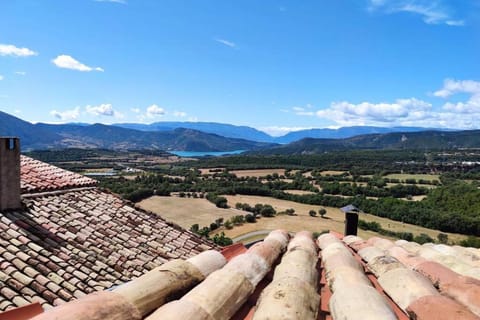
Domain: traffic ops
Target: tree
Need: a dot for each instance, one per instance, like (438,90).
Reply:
(290,212)
(422,238)
(228,225)
(267,211)
(312,213)
(442,237)
(236,220)
(194,228)
(250,218)
(222,240)
(204,232)
(471,241)
(213,226)
(322,212)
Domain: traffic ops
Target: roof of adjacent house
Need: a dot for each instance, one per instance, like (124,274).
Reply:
(71,238)
(332,277)
(38,176)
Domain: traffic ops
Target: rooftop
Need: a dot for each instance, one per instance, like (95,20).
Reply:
(38,176)
(71,239)
(92,255)
(332,277)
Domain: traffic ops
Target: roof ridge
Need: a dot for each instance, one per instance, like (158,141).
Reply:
(55,192)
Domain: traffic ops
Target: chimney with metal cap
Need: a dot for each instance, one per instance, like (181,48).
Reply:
(9,173)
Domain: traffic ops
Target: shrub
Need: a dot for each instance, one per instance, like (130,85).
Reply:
(236,220)
(471,241)
(422,238)
(322,212)
(204,232)
(213,226)
(222,240)
(267,211)
(312,213)
(228,225)
(442,237)
(373,226)
(250,218)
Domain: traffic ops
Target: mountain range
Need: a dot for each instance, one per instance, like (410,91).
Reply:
(187,136)
(248,133)
(48,136)
(423,140)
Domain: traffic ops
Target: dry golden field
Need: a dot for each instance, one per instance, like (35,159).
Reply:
(427,186)
(403,176)
(210,170)
(257,173)
(188,211)
(298,192)
(332,173)
(304,222)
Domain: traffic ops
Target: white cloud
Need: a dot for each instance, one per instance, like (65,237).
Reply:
(20,73)
(11,50)
(226,42)
(1,77)
(113,1)
(303,111)
(135,110)
(155,110)
(431,11)
(277,131)
(68,62)
(366,113)
(462,113)
(179,114)
(452,87)
(67,114)
(105,109)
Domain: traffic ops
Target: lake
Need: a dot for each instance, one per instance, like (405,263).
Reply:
(188,154)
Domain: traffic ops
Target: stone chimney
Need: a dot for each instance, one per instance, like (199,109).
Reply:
(9,173)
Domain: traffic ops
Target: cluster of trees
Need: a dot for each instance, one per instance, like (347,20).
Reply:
(219,201)
(322,212)
(264,210)
(219,239)
(397,191)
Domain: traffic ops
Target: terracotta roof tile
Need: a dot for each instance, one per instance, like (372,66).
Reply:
(349,286)
(37,176)
(69,243)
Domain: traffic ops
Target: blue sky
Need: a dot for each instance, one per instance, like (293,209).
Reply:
(273,65)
